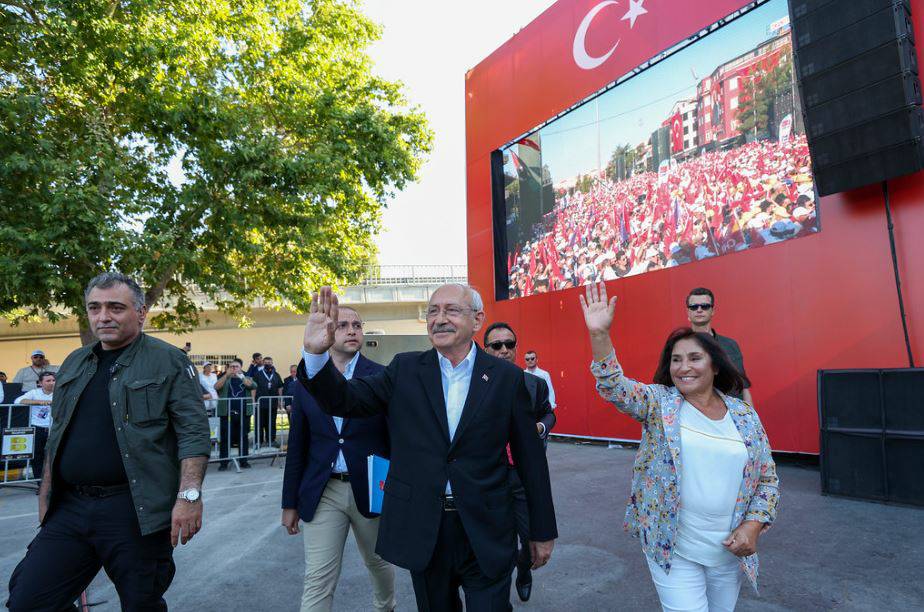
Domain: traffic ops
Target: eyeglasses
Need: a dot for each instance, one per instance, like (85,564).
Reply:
(530,359)
(496,346)
(342,325)
(699,306)
(453,312)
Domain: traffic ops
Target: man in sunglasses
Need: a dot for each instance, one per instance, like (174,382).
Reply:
(700,310)
(501,342)
(532,366)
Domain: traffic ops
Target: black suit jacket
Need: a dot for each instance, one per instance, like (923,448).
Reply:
(497,411)
(542,407)
(314,444)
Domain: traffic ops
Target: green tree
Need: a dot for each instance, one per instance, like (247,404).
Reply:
(628,153)
(759,93)
(286,143)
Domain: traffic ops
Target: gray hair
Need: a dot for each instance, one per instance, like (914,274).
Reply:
(111,279)
(475,301)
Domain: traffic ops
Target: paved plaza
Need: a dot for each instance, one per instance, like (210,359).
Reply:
(824,553)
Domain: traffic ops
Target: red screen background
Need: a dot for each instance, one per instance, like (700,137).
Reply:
(826,301)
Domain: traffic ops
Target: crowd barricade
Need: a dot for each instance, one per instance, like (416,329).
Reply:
(242,429)
(21,441)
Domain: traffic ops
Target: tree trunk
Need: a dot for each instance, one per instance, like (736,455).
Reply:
(154,293)
(86,335)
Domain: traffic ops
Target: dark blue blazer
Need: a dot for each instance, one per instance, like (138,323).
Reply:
(314,443)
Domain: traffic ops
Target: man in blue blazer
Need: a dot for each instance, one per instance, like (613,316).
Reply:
(325,486)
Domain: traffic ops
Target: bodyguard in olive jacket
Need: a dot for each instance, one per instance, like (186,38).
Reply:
(129,431)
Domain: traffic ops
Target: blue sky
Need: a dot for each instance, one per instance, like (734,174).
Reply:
(630,112)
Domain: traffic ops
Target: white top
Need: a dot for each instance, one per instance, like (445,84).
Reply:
(341,465)
(456,381)
(208,383)
(713,457)
(39,416)
(537,371)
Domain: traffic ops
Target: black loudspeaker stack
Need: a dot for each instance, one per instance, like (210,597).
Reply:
(872,434)
(857,70)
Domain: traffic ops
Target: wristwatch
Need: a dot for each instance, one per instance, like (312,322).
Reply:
(191,495)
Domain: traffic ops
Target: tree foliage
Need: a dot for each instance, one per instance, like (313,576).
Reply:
(284,147)
(759,94)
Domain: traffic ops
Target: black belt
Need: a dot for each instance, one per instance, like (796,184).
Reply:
(341,476)
(449,503)
(98,491)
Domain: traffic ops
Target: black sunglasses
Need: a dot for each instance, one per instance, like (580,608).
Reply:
(496,346)
(699,306)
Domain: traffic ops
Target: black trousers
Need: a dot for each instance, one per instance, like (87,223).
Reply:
(38,453)
(81,535)
(268,409)
(233,429)
(453,564)
(521,515)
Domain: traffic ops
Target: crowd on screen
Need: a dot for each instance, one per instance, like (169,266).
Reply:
(720,202)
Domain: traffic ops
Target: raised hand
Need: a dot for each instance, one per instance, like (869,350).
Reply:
(598,312)
(322,321)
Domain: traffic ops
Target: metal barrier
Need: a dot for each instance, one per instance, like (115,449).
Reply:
(263,434)
(21,441)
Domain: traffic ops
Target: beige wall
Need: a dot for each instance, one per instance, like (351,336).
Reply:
(274,333)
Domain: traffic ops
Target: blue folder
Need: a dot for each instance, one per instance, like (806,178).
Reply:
(378,472)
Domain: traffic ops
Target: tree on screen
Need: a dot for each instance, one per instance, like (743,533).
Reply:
(235,149)
(759,95)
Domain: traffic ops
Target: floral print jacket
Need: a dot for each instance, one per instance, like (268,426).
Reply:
(652,512)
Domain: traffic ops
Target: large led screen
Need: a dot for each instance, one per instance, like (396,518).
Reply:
(702,155)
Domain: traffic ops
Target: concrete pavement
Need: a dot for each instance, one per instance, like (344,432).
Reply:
(824,553)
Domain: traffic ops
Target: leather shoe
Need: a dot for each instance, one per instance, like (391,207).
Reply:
(524,584)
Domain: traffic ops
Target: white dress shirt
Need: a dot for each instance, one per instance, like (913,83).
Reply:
(456,381)
(537,371)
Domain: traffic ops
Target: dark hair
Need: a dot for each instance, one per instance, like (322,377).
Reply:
(254,356)
(267,357)
(237,361)
(531,351)
(699,291)
(498,325)
(45,373)
(111,279)
(728,379)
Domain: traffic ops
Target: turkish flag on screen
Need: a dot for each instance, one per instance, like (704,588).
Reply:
(676,133)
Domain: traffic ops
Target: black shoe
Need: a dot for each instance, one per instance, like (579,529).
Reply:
(524,585)
(245,464)
(222,467)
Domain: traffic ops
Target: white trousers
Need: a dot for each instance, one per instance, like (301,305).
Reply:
(691,587)
(324,539)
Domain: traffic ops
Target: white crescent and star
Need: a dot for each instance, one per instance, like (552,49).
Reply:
(579,48)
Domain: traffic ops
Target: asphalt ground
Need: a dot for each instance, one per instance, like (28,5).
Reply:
(824,553)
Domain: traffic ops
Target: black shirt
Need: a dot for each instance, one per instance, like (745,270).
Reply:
(267,383)
(89,453)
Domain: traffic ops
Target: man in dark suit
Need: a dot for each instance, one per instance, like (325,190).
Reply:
(447,514)
(325,482)
(501,342)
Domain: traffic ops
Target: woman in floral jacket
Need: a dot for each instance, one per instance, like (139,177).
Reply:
(704,486)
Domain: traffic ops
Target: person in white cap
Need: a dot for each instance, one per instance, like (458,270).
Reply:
(28,376)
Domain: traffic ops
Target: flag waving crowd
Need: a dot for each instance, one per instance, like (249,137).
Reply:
(717,203)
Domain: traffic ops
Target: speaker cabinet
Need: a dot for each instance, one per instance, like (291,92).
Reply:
(858,76)
(872,434)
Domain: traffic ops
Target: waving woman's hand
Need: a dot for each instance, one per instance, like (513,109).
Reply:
(598,316)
